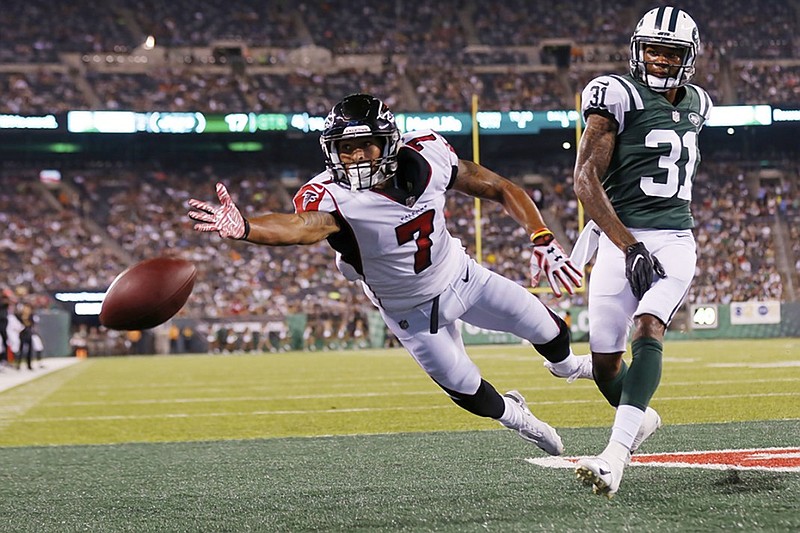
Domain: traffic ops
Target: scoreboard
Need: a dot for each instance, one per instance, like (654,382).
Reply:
(519,122)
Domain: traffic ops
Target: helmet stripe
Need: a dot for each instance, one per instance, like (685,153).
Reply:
(673,19)
(660,17)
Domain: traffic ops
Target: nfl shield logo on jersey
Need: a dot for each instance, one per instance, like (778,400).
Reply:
(676,116)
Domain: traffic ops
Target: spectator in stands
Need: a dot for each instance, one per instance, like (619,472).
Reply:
(382,208)
(5,308)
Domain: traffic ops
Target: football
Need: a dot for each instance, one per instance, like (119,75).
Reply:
(148,293)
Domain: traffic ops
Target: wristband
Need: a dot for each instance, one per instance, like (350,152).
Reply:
(542,236)
(246,229)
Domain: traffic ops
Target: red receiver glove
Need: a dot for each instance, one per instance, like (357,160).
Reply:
(226,219)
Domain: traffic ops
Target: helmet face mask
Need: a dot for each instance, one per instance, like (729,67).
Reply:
(360,116)
(667,27)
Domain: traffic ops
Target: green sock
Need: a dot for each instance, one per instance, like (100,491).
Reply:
(644,374)
(612,389)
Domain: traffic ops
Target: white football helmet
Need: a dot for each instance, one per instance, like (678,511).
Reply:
(665,26)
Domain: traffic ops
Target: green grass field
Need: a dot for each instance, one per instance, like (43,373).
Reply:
(364,441)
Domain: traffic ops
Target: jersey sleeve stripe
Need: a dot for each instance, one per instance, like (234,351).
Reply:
(709,104)
(604,113)
(704,100)
(453,175)
(633,95)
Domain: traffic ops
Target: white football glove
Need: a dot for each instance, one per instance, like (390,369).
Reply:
(224,218)
(549,257)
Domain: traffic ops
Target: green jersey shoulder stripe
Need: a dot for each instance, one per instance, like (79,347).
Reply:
(705,100)
(612,96)
(633,92)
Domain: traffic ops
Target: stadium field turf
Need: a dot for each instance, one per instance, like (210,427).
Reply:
(364,441)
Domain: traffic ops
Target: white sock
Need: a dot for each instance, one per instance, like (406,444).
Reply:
(512,416)
(616,454)
(566,367)
(626,425)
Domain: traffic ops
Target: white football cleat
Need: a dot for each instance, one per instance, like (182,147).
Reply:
(599,473)
(583,370)
(534,430)
(650,425)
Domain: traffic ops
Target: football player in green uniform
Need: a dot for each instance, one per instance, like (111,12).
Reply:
(633,174)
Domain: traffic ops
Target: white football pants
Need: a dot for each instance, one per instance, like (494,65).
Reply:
(485,299)
(612,305)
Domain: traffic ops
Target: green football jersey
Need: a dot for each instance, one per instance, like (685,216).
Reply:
(649,180)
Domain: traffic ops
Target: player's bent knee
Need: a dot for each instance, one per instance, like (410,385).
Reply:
(557,349)
(649,326)
(485,402)
(605,366)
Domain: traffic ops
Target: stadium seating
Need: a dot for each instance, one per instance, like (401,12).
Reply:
(91,55)
(426,58)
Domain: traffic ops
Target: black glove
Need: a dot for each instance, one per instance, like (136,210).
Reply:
(641,269)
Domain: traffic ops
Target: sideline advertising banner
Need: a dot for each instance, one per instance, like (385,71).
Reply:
(768,312)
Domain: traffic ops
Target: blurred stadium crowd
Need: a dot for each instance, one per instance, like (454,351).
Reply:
(224,55)
(237,55)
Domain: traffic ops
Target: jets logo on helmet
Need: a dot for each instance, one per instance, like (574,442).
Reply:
(670,27)
(360,115)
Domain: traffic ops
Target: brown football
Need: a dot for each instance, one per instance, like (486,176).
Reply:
(148,293)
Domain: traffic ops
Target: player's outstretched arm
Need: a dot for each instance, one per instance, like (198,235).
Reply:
(548,256)
(476,180)
(282,229)
(276,229)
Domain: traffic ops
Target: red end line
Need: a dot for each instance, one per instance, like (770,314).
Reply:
(773,459)
(753,458)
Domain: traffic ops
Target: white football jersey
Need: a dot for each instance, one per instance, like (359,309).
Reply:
(395,240)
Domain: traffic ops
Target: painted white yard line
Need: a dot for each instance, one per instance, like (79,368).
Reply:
(279,412)
(48,420)
(775,364)
(704,382)
(396,381)
(381,394)
(233,399)
(724,396)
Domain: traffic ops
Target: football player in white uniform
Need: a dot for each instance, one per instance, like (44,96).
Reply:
(381,205)
(633,173)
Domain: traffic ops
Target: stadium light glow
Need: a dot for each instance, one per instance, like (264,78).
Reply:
(245,147)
